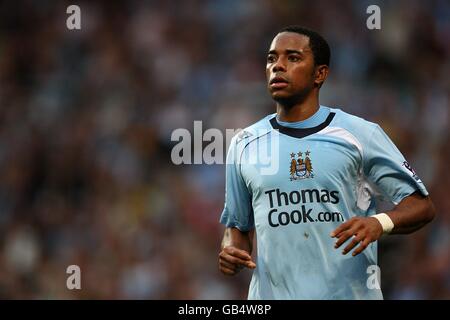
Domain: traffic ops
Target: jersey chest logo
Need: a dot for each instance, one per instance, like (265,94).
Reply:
(301,168)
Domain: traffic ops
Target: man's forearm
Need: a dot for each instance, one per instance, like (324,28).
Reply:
(411,214)
(239,239)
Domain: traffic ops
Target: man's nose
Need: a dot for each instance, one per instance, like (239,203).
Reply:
(279,66)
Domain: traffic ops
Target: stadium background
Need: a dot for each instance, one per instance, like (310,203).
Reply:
(86,118)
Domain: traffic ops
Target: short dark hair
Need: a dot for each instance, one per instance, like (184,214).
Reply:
(319,46)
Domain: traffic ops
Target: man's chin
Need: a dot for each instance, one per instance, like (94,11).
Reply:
(280,94)
(281,97)
(288,99)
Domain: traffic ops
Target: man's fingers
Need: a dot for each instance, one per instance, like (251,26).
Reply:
(364,244)
(237,261)
(341,228)
(353,227)
(228,265)
(227,271)
(344,236)
(238,257)
(242,254)
(352,244)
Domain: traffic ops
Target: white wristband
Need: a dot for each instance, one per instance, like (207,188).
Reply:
(385,221)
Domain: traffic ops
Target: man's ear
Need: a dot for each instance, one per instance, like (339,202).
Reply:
(321,75)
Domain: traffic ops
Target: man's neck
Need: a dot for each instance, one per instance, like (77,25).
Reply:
(298,112)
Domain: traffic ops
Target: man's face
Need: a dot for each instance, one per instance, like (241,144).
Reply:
(290,67)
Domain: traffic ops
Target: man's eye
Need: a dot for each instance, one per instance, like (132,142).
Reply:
(294,58)
(271,59)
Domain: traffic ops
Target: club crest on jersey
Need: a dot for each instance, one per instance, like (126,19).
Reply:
(301,168)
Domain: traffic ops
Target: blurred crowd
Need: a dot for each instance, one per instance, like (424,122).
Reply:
(86,118)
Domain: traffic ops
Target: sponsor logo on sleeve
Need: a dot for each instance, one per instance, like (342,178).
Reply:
(411,170)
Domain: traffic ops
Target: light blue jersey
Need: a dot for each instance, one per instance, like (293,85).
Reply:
(297,182)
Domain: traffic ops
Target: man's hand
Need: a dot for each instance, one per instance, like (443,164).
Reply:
(363,230)
(232,260)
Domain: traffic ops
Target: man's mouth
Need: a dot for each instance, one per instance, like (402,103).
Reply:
(278,83)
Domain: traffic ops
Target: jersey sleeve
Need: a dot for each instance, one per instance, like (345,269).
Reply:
(238,211)
(386,167)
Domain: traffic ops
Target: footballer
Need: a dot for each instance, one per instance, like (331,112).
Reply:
(314,218)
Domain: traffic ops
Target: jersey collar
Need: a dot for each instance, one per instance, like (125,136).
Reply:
(301,132)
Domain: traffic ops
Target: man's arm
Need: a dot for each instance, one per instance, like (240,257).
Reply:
(236,251)
(411,214)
